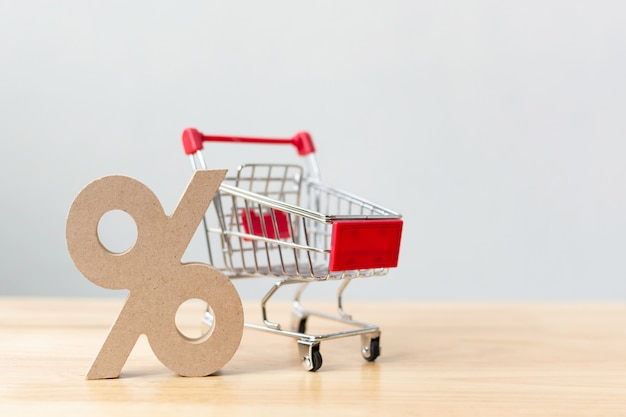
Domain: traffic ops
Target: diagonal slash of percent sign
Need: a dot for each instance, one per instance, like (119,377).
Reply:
(153,273)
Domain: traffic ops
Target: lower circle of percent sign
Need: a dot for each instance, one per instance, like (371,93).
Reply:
(155,276)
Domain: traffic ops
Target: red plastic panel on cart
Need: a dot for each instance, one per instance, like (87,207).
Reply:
(365,244)
(254,218)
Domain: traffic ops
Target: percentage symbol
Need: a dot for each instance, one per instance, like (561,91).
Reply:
(155,276)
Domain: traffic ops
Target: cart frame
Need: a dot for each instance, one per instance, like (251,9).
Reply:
(260,230)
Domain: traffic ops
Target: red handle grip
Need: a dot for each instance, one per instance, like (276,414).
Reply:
(192,141)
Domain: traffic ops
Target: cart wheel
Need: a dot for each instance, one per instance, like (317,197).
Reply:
(310,354)
(302,325)
(298,321)
(371,351)
(316,359)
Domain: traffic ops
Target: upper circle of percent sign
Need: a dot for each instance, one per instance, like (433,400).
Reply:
(155,276)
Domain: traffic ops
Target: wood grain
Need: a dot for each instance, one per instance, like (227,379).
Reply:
(437,360)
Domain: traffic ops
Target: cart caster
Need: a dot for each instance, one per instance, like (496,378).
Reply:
(371,348)
(301,328)
(298,321)
(310,355)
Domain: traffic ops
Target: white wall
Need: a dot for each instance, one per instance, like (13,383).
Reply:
(496,128)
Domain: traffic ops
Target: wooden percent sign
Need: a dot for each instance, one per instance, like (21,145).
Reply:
(155,276)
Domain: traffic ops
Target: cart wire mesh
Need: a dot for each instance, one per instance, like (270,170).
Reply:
(268,220)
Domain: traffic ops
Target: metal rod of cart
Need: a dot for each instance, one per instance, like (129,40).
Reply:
(282,221)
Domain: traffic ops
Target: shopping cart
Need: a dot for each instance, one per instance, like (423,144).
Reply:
(281,221)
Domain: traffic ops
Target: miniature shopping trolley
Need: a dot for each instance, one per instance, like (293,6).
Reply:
(281,221)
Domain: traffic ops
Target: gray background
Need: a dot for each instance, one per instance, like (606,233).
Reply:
(496,128)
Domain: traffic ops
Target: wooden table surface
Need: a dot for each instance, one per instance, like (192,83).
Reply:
(437,360)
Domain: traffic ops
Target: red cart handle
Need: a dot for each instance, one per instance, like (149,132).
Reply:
(192,141)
